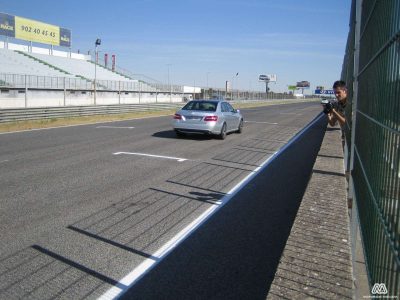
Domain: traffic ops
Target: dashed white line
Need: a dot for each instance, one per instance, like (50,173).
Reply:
(121,127)
(179,159)
(3,161)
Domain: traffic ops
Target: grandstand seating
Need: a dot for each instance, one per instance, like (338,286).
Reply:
(13,62)
(80,67)
(21,62)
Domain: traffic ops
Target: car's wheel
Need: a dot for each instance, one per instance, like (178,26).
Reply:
(240,128)
(222,135)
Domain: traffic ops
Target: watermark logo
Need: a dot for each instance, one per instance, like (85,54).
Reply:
(379,289)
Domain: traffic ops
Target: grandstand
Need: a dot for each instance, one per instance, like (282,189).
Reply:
(30,63)
(80,67)
(14,62)
(32,76)
(20,60)
(36,77)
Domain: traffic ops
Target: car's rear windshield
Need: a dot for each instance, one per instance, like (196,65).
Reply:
(201,105)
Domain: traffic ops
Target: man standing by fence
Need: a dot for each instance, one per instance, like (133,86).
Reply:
(336,114)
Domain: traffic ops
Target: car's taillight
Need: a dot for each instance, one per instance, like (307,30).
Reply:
(211,118)
(177,117)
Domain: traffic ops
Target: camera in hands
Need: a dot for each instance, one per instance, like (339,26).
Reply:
(329,104)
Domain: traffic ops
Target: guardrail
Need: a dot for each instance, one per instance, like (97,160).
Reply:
(23,114)
(38,113)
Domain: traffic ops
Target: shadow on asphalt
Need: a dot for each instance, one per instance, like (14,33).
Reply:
(170,134)
(234,255)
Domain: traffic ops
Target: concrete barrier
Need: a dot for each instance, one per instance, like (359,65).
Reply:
(316,261)
(27,98)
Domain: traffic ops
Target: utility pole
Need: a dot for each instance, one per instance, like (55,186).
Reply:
(169,84)
(96,54)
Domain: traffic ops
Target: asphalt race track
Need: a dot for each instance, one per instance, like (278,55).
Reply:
(85,211)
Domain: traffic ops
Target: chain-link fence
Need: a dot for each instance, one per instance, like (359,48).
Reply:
(22,81)
(371,68)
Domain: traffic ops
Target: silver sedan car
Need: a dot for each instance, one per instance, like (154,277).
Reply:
(215,117)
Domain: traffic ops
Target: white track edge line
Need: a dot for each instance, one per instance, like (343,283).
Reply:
(117,127)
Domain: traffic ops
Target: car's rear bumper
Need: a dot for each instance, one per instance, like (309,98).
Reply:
(210,128)
(195,131)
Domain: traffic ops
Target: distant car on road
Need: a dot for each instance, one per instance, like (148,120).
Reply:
(214,117)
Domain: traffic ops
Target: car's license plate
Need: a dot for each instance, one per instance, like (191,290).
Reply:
(193,118)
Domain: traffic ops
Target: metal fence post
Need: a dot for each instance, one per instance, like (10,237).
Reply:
(140,90)
(26,92)
(351,195)
(119,93)
(65,91)
(355,85)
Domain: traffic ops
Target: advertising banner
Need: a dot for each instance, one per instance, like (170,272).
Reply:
(324,92)
(34,31)
(65,37)
(267,77)
(7,25)
(303,84)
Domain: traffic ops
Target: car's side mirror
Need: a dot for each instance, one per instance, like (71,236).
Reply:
(237,111)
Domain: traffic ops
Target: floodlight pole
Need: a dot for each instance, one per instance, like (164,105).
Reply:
(95,72)
(232,88)
(237,87)
(169,84)
(233,92)
(97,43)
(194,89)
(207,85)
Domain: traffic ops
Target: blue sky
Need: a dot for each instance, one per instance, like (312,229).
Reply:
(209,39)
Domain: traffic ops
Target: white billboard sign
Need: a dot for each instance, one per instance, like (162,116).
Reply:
(267,78)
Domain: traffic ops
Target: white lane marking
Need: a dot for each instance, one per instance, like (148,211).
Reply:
(133,277)
(151,155)
(2,161)
(261,122)
(115,127)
